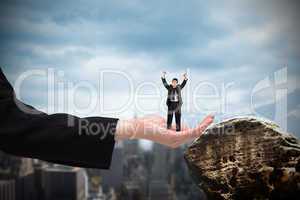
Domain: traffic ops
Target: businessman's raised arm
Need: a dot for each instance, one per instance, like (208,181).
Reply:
(163,78)
(184,81)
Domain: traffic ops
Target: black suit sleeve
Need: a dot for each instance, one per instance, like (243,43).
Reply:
(59,138)
(183,83)
(167,86)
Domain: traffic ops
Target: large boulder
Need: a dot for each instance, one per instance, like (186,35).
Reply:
(246,158)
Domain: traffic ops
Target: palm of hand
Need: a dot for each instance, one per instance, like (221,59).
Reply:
(154,128)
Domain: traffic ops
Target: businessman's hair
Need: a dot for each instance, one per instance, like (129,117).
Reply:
(175,79)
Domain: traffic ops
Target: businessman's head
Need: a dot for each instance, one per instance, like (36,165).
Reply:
(174,82)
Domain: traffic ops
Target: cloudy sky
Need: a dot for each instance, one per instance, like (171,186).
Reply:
(242,57)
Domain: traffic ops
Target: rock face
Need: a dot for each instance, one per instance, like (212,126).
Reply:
(246,158)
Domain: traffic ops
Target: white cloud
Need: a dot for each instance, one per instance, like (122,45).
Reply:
(295,113)
(140,45)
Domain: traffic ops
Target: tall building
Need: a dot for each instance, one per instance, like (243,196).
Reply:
(62,183)
(160,190)
(26,187)
(131,147)
(7,190)
(131,190)
(46,183)
(160,166)
(16,176)
(159,186)
(113,177)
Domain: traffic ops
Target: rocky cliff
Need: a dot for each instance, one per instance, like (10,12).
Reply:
(246,158)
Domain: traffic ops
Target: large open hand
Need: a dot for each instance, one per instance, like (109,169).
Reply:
(154,128)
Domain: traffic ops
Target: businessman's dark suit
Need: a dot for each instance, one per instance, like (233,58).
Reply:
(49,137)
(174,107)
